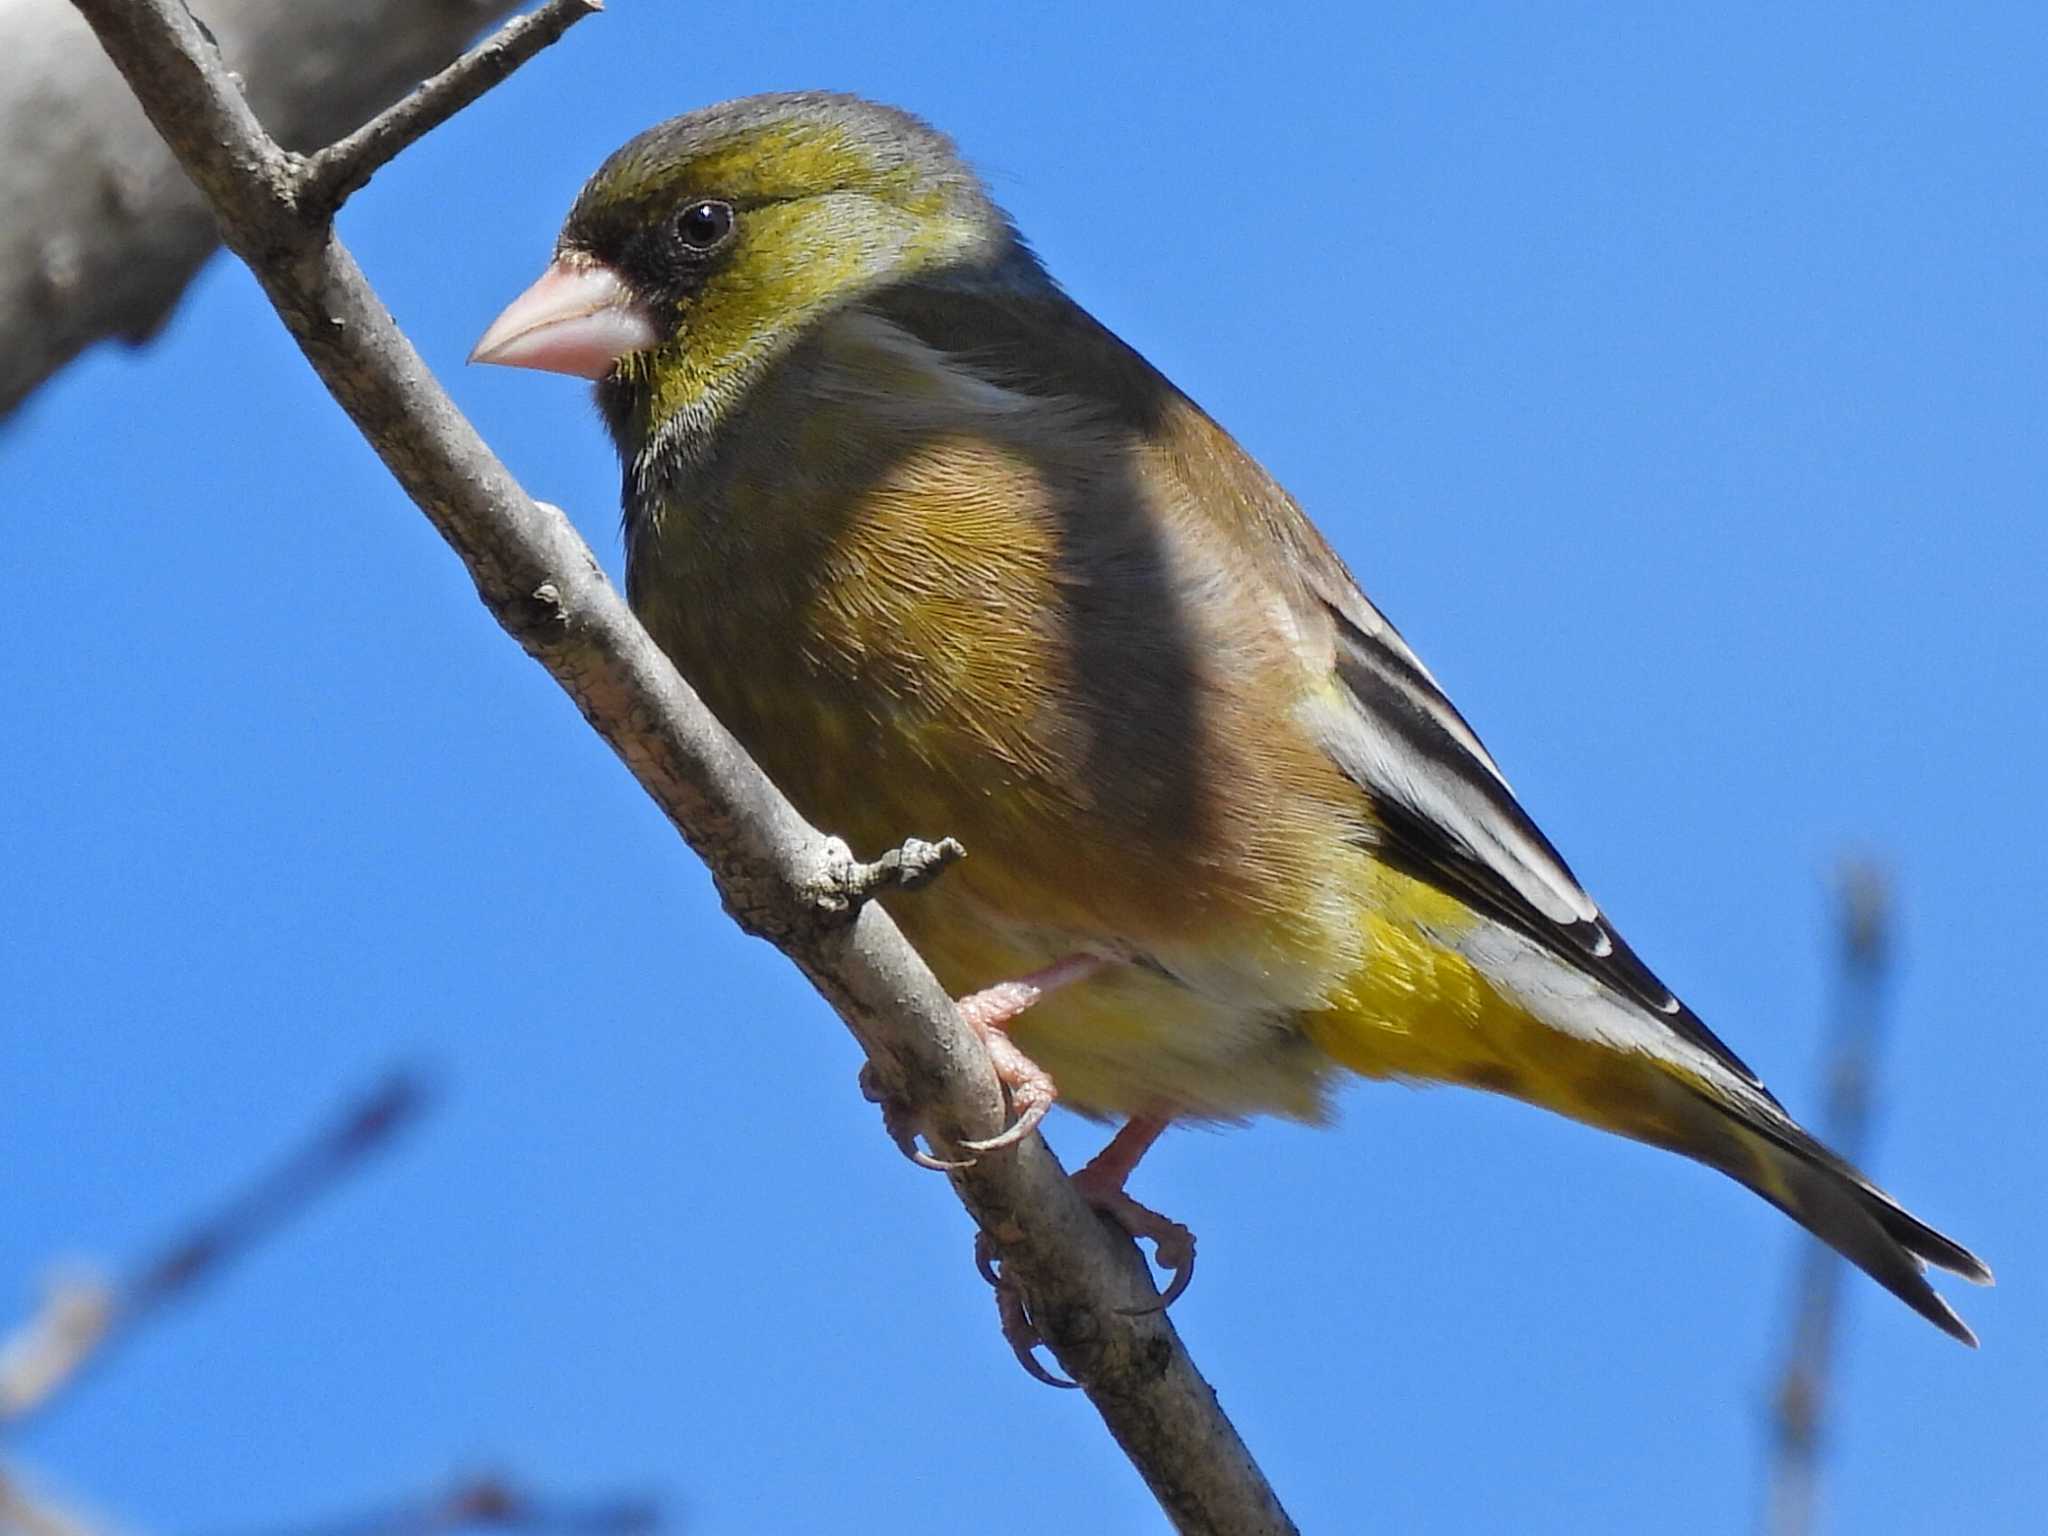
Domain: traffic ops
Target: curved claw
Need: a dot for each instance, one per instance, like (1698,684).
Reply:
(900,1125)
(1031,1108)
(1031,1091)
(1019,1332)
(1173,1244)
(1030,1363)
(1183,1274)
(1178,1260)
(986,1262)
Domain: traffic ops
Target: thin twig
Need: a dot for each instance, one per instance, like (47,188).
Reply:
(83,1317)
(1090,1293)
(493,1502)
(332,1154)
(1799,1406)
(909,868)
(41,1356)
(101,232)
(331,176)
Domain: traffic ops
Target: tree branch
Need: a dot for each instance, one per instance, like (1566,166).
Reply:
(27,1511)
(336,172)
(83,1316)
(491,1501)
(1800,1404)
(103,231)
(1090,1293)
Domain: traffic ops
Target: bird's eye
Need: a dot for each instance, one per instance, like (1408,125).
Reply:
(704,226)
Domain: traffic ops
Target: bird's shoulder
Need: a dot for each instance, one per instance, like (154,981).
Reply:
(1044,354)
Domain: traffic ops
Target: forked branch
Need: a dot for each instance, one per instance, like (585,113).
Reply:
(780,877)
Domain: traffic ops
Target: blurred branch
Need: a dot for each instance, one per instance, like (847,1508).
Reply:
(486,1502)
(27,1512)
(103,231)
(335,1152)
(493,1502)
(780,878)
(83,1316)
(46,1351)
(1801,1400)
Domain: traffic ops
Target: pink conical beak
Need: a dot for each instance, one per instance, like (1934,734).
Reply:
(579,318)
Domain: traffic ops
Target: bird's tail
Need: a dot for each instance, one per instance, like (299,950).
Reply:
(1757,1144)
(1502,1014)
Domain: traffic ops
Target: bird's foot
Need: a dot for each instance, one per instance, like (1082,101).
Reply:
(1173,1243)
(1101,1184)
(1019,1331)
(989,1013)
(1030,1090)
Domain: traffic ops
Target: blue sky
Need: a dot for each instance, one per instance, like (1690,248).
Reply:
(1676,383)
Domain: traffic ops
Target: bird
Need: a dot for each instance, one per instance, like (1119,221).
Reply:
(943,552)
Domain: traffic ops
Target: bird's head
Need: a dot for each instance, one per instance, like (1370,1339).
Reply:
(704,247)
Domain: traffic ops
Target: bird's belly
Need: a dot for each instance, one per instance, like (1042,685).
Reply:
(1131,1041)
(1215,950)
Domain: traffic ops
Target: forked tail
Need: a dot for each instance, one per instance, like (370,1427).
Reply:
(1759,1145)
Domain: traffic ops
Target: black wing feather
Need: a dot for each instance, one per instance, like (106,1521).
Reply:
(1401,701)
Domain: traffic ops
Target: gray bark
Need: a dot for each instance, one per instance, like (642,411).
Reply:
(100,231)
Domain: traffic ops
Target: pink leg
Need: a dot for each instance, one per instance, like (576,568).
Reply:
(1101,1184)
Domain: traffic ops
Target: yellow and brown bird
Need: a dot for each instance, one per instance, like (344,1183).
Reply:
(946,555)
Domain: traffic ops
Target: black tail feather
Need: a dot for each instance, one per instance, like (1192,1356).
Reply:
(1761,1147)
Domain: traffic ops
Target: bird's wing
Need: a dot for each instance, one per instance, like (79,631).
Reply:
(1445,812)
